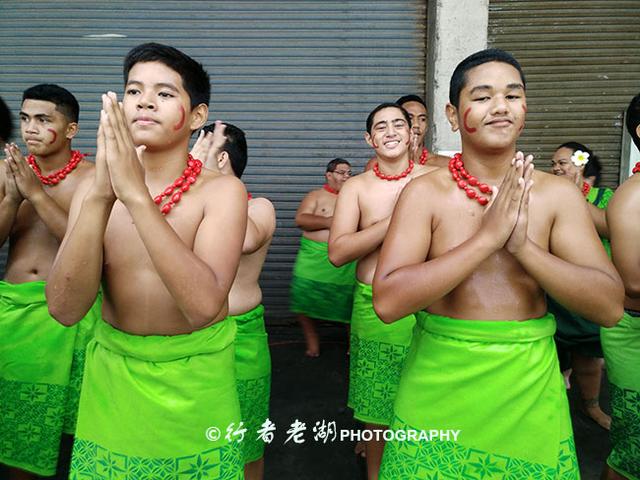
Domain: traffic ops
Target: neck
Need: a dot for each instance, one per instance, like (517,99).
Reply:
(393,165)
(166,164)
(488,166)
(54,161)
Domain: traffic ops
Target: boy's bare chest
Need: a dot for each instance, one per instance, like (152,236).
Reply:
(378,201)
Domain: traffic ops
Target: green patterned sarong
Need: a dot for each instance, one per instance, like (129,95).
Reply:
(253,373)
(378,351)
(36,354)
(318,289)
(621,345)
(498,384)
(85,328)
(150,405)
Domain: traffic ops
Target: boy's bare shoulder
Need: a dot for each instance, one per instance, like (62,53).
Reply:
(547,184)
(627,195)
(216,182)
(435,177)
(421,170)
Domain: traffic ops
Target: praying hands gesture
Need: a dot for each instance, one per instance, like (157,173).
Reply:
(506,215)
(21,173)
(119,154)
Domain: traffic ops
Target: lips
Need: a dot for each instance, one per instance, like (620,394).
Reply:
(500,122)
(392,143)
(145,121)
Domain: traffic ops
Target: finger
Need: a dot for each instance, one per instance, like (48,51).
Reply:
(492,197)
(114,120)
(125,126)
(524,207)
(140,150)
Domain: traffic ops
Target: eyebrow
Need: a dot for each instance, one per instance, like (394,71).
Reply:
(37,115)
(511,86)
(170,86)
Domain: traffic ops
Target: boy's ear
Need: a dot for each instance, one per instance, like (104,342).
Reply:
(223,159)
(198,116)
(452,115)
(368,139)
(72,130)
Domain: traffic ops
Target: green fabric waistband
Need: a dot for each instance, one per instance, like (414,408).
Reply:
(23,293)
(256,313)
(491,331)
(313,245)
(166,348)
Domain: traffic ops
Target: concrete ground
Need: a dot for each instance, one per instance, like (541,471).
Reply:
(313,390)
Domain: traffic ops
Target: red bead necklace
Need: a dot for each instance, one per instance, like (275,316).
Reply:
(423,156)
(467,182)
(636,169)
(56,177)
(586,188)
(181,185)
(376,170)
(249,196)
(329,189)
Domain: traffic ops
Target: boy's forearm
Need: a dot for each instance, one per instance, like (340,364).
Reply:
(352,246)
(8,213)
(601,303)
(599,218)
(198,292)
(51,214)
(312,223)
(429,281)
(75,277)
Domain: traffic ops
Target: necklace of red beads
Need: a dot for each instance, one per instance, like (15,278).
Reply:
(468,182)
(58,176)
(181,185)
(423,156)
(329,189)
(586,188)
(407,171)
(636,169)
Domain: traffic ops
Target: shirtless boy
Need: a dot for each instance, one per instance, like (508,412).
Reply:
(319,290)
(37,353)
(359,225)
(227,154)
(621,344)
(159,376)
(474,262)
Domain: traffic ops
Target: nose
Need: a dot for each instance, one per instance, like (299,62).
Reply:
(499,104)
(30,126)
(145,100)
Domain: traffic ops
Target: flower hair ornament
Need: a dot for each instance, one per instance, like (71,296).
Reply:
(580,158)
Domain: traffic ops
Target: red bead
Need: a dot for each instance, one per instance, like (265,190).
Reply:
(484,188)
(196,170)
(166,208)
(191,163)
(483,200)
(462,184)
(471,193)
(473,181)
(175,198)
(458,164)
(158,199)
(185,187)
(168,191)
(178,182)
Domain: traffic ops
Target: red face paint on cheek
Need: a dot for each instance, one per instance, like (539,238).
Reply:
(55,135)
(182,119)
(464,121)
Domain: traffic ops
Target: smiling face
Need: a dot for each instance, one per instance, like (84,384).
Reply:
(390,133)
(157,107)
(492,106)
(44,129)
(562,166)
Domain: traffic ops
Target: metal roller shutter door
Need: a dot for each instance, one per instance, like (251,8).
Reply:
(298,76)
(582,64)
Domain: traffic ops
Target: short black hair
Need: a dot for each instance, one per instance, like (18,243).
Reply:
(382,106)
(411,98)
(63,99)
(195,79)
(633,119)
(593,160)
(332,165)
(459,76)
(235,146)
(6,124)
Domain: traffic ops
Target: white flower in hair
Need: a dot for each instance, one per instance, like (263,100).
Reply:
(579,158)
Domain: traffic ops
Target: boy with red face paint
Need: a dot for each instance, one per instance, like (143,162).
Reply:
(159,390)
(40,361)
(474,261)
(360,222)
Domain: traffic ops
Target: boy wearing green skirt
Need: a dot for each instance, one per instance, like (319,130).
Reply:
(319,290)
(359,225)
(226,152)
(474,260)
(37,380)
(164,237)
(621,344)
